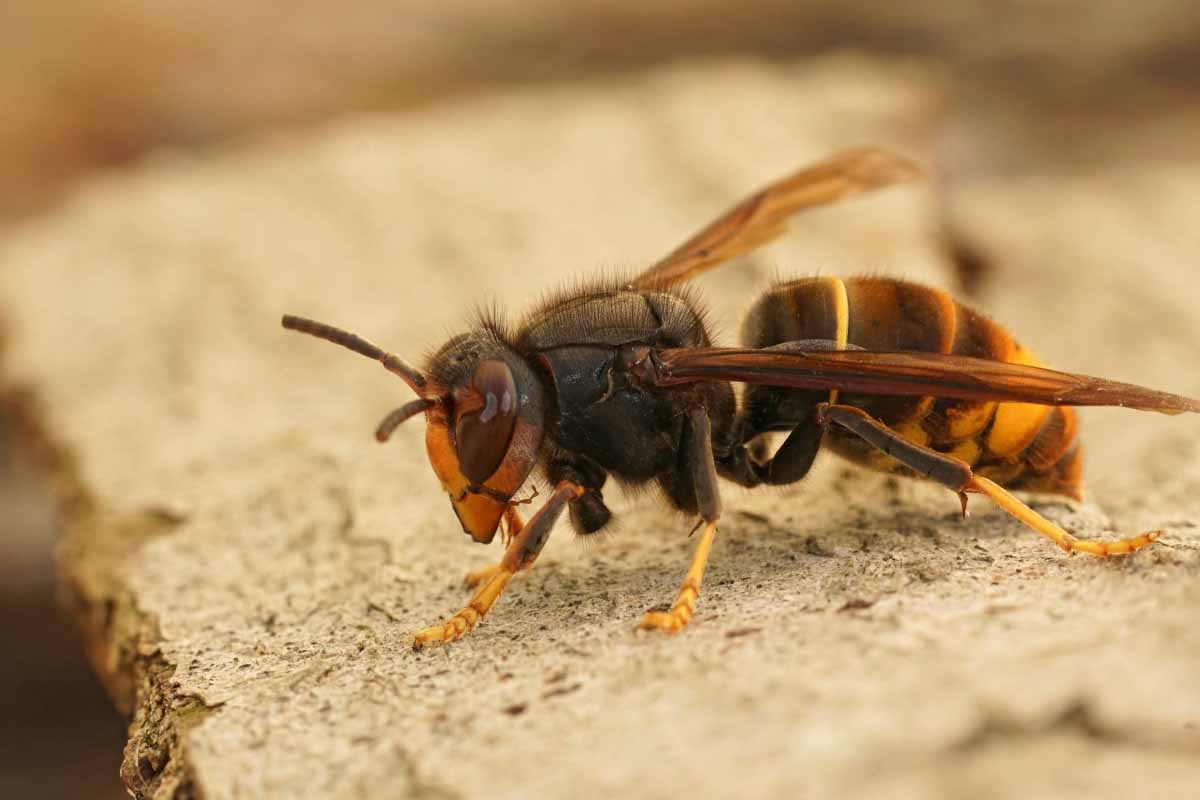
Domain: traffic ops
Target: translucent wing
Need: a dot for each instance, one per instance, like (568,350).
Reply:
(911,373)
(763,216)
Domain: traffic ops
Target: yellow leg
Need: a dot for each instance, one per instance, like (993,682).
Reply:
(462,622)
(680,615)
(478,576)
(957,475)
(513,526)
(521,552)
(1046,528)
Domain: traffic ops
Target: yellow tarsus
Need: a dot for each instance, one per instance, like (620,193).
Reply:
(680,615)
(458,625)
(1053,532)
(519,554)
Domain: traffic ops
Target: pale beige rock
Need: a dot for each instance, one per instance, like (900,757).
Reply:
(251,565)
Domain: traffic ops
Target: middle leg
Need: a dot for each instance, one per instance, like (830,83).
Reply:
(698,457)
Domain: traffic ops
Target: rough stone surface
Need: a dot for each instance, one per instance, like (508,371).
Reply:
(249,565)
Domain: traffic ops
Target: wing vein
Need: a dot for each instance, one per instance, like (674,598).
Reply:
(912,374)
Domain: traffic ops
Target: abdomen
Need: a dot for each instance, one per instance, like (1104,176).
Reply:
(1018,445)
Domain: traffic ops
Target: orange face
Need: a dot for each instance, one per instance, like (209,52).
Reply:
(481,448)
(483,408)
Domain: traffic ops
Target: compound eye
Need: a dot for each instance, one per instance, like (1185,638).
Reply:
(485,425)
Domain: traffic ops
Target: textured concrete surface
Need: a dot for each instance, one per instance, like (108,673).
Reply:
(249,564)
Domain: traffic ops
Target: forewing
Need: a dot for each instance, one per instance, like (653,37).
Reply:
(763,216)
(912,373)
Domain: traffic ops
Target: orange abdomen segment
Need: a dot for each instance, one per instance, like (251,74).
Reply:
(1018,445)
(887,314)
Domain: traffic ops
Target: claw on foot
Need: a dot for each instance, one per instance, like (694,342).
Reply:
(677,618)
(1105,549)
(452,630)
(1069,543)
(680,615)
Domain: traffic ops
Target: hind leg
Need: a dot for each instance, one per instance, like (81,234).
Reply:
(958,476)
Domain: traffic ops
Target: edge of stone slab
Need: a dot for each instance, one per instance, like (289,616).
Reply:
(121,641)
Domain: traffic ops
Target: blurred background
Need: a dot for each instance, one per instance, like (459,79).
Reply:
(91,88)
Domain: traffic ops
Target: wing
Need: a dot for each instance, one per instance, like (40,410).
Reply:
(911,373)
(761,217)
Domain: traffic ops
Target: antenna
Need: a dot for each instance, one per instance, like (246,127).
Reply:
(391,362)
(399,415)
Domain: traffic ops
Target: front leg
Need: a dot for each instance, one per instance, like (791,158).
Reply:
(520,554)
(513,525)
(699,458)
